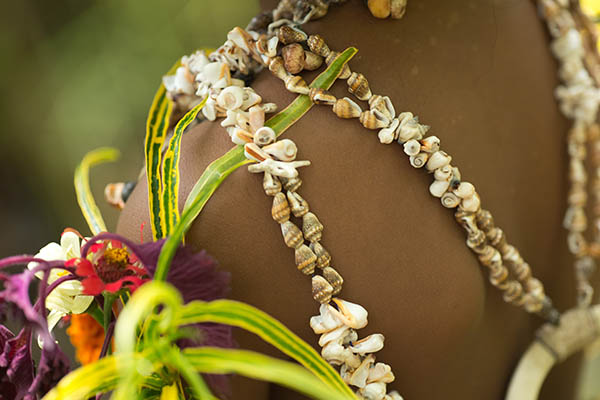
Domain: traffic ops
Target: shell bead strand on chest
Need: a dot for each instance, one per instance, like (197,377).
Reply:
(275,41)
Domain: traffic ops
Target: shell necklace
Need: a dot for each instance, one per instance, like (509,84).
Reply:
(274,40)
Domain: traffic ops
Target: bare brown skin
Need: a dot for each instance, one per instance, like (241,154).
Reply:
(481,74)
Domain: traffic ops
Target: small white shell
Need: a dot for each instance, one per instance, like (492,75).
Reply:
(209,111)
(438,160)
(240,136)
(256,118)
(278,168)
(283,150)
(230,119)
(394,395)
(250,98)
(253,152)
(195,62)
(269,107)
(412,147)
(264,136)
(272,46)
(464,190)
(374,391)
(360,375)
(240,38)
(388,135)
(371,344)
(450,200)
(472,203)
(336,335)
(419,160)
(351,314)
(410,128)
(444,173)
(326,321)
(231,98)
(438,188)
(381,372)
(335,353)
(430,144)
(181,82)
(213,71)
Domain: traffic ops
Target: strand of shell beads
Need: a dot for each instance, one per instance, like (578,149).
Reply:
(425,152)
(337,323)
(578,98)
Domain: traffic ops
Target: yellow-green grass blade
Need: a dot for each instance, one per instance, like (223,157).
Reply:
(86,201)
(219,169)
(244,316)
(170,169)
(258,366)
(157,125)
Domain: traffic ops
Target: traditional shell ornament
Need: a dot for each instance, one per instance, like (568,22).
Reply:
(334,278)
(271,184)
(280,211)
(264,136)
(412,147)
(359,86)
(419,160)
(317,45)
(388,135)
(351,314)
(321,289)
(323,256)
(370,344)
(305,259)
(312,227)
(282,150)
(298,204)
(293,58)
(346,108)
(292,235)
(278,168)
(287,35)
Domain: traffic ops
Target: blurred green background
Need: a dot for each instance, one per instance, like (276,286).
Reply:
(77,75)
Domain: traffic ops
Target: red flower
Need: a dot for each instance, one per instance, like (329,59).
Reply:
(111,269)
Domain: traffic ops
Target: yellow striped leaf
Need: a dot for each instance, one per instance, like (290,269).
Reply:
(170,170)
(157,125)
(86,201)
(242,315)
(257,366)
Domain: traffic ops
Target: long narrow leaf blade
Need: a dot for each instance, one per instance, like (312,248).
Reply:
(86,201)
(219,169)
(170,170)
(257,366)
(244,316)
(156,132)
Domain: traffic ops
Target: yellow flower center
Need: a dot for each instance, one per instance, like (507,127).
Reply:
(117,256)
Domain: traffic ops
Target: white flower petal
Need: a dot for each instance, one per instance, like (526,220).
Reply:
(81,303)
(69,241)
(53,318)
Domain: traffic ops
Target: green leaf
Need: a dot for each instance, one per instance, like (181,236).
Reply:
(170,170)
(257,366)
(100,376)
(219,169)
(86,201)
(244,316)
(157,125)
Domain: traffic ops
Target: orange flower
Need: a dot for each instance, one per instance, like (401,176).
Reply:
(87,336)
